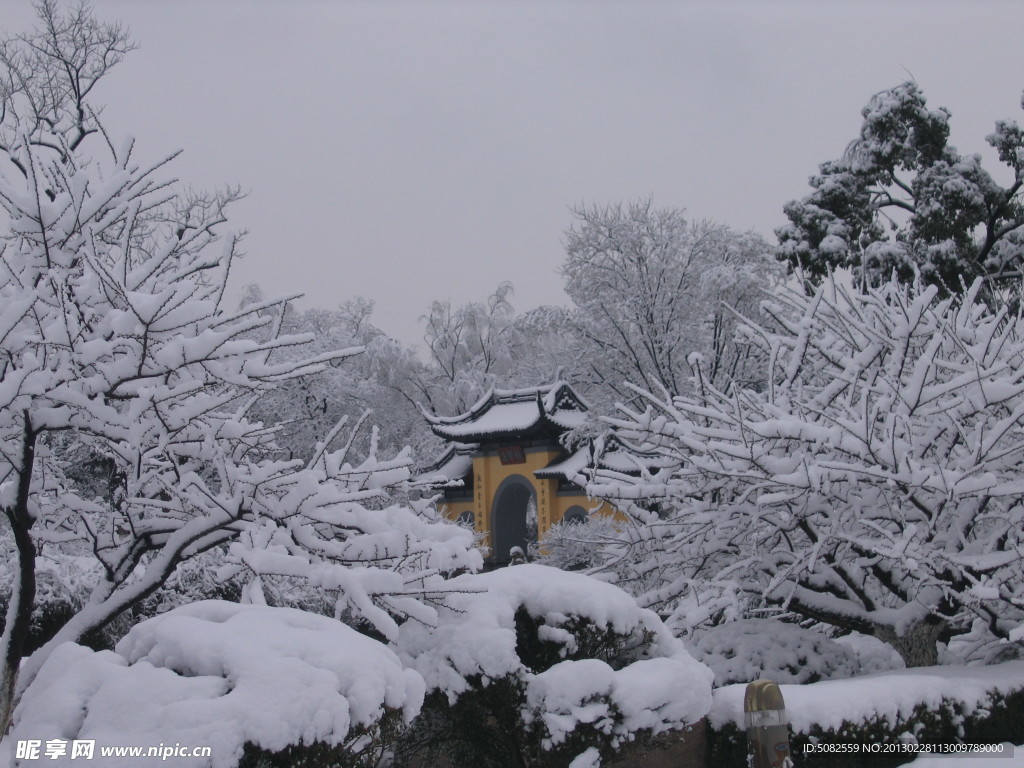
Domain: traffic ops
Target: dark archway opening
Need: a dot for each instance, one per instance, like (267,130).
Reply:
(509,524)
(575,515)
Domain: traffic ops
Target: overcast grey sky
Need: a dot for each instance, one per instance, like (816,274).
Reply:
(412,151)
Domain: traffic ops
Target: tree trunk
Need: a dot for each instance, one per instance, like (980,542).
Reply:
(918,646)
(18,622)
(23,590)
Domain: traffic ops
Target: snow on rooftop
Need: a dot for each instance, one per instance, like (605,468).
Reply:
(505,417)
(454,464)
(504,411)
(617,460)
(568,467)
(567,418)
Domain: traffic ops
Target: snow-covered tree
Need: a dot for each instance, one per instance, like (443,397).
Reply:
(874,484)
(470,347)
(126,384)
(749,649)
(902,198)
(579,545)
(650,288)
(373,385)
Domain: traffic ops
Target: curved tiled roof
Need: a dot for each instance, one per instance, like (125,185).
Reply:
(449,469)
(507,412)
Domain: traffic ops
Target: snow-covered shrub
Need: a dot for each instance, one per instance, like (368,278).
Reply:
(534,665)
(743,651)
(873,655)
(241,679)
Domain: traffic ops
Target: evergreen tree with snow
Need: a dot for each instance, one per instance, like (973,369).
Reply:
(902,199)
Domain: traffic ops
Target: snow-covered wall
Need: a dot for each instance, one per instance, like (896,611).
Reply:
(892,696)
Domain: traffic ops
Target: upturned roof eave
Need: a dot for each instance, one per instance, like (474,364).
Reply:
(542,426)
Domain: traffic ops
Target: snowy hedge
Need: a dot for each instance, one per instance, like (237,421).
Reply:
(526,665)
(537,666)
(933,704)
(242,679)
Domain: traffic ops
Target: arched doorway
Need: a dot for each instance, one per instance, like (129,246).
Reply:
(508,516)
(575,515)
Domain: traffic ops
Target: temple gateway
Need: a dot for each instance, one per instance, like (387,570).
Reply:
(505,471)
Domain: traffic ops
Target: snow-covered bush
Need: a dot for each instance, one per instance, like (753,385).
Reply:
(745,650)
(533,665)
(244,680)
(874,484)
(873,655)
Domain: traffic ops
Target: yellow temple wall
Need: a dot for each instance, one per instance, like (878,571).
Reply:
(488,475)
(452,509)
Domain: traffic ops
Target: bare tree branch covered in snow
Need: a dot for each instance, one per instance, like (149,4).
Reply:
(470,348)
(873,485)
(651,288)
(370,387)
(115,343)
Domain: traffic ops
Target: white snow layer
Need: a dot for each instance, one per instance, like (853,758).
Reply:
(476,638)
(891,695)
(218,674)
(741,651)
(221,674)
(503,417)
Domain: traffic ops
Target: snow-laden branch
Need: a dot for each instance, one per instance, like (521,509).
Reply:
(874,483)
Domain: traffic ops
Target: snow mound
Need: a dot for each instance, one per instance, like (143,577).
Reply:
(742,651)
(873,655)
(650,683)
(222,675)
(647,695)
